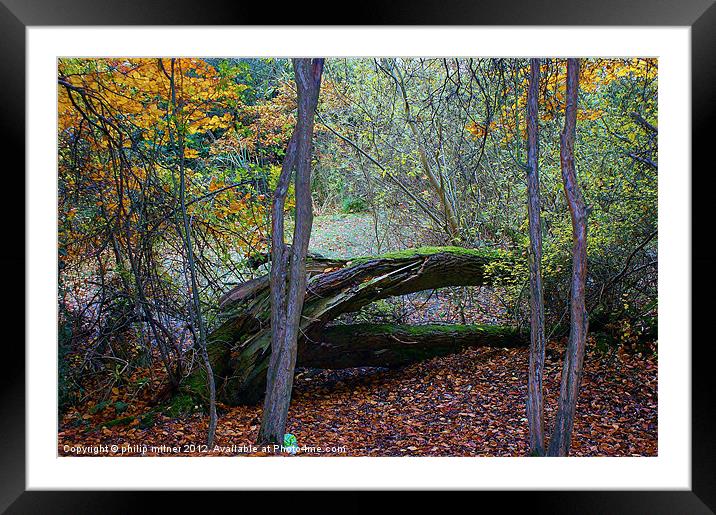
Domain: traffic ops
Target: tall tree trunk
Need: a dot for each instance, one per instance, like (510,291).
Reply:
(535,404)
(288,274)
(574,357)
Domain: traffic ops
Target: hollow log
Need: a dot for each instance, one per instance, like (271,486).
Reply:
(239,348)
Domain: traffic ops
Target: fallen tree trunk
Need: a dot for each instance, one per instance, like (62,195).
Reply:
(388,345)
(239,348)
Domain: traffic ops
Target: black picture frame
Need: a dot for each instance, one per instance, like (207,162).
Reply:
(700,15)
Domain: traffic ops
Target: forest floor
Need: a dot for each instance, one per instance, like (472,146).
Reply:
(466,404)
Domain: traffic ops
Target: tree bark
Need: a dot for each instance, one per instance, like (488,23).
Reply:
(574,356)
(535,404)
(390,345)
(287,299)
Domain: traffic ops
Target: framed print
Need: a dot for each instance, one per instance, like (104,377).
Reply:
(452,215)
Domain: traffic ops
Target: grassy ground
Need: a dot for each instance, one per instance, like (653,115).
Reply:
(353,235)
(343,235)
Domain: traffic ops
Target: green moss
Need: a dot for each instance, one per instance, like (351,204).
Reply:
(99,407)
(147,420)
(120,407)
(123,421)
(426,329)
(195,384)
(192,392)
(429,251)
(458,328)
(181,404)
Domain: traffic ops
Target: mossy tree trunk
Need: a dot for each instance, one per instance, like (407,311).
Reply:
(242,342)
(388,345)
